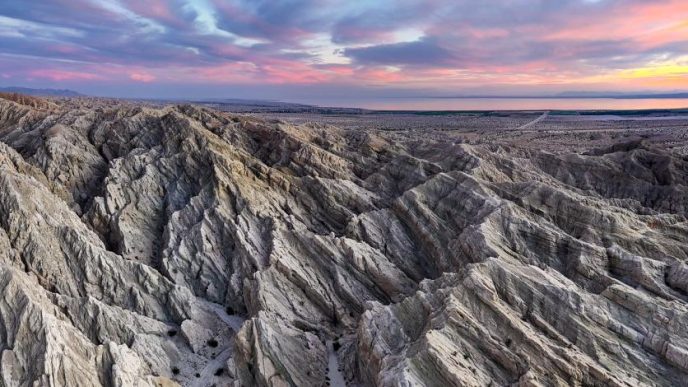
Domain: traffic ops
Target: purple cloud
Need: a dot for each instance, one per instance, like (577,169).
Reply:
(426,42)
(424,52)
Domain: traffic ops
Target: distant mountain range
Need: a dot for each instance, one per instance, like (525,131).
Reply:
(42,92)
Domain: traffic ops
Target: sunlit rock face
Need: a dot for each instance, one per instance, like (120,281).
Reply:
(162,246)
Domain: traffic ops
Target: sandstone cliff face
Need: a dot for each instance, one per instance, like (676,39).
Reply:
(179,245)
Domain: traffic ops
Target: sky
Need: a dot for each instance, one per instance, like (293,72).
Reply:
(331,48)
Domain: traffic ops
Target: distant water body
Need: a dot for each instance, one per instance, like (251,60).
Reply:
(500,103)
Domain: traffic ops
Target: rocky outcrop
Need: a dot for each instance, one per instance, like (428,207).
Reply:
(146,245)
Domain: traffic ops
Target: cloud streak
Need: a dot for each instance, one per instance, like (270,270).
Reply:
(429,45)
(424,52)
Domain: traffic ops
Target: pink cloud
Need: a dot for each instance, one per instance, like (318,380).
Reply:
(141,77)
(62,75)
(648,24)
(158,10)
(380,75)
(263,70)
(339,70)
(64,49)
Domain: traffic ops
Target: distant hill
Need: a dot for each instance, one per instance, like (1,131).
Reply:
(41,92)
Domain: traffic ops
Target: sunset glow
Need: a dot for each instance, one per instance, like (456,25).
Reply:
(312,47)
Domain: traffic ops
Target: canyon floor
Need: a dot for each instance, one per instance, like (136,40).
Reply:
(148,244)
